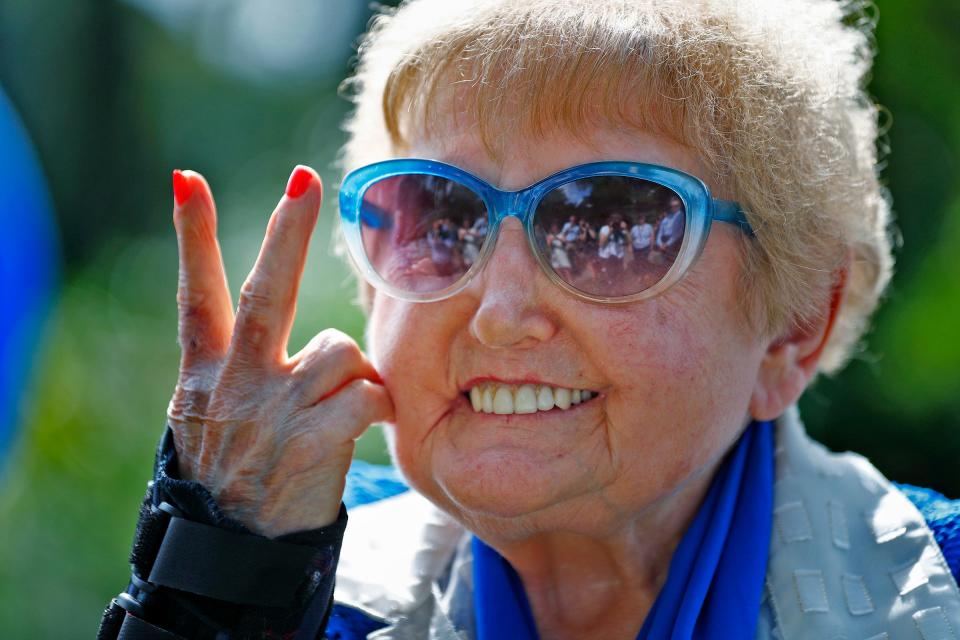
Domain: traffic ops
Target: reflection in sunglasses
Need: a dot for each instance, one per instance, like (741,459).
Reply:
(603,235)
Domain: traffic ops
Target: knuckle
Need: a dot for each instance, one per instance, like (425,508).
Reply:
(331,335)
(344,352)
(189,297)
(338,344)
(254,295)
(187,405)
(329,361)
(193,391)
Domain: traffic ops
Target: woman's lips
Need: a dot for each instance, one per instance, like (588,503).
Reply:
(509,399)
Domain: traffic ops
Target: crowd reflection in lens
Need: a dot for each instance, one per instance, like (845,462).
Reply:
(610,235)
(604,235)
(624,253)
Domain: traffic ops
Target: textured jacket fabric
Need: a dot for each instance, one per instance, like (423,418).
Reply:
(850,555)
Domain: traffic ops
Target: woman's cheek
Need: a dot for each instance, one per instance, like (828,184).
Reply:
(656,342)
(678,390)
(409,456)
(419,412)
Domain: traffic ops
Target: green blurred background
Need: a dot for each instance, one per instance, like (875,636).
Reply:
(116,94)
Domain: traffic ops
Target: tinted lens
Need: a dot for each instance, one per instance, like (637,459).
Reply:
(421,233)
(610,236)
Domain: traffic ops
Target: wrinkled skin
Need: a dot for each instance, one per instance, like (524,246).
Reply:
(270,436)
(587,505)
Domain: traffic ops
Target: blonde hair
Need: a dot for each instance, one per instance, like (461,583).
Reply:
(769,92)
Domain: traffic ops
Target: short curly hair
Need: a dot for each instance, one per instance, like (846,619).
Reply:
(769,92)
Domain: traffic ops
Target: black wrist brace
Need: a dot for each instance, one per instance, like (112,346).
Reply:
(197,573)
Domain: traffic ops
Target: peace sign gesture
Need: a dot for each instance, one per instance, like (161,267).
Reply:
(269,435)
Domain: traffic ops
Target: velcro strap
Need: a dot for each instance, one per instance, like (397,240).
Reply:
(235,567)
(136,629)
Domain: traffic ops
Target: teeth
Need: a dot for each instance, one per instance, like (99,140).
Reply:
(503,401)
(487,401)
(476,399)
(561,397)
(545,398)
(508,399)
(526,399)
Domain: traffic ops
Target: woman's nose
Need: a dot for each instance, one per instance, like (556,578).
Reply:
(513,311)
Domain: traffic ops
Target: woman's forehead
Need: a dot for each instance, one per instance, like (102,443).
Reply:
(525,159)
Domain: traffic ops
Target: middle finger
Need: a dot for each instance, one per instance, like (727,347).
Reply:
(268,296)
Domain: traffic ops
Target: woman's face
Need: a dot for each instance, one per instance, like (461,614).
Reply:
(674,374)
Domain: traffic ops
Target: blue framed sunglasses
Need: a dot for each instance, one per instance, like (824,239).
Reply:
(608,232)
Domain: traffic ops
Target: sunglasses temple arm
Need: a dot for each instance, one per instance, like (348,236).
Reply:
(731,213)
(374,217)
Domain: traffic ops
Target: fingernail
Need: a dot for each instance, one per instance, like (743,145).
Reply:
(181,187)
(299,181)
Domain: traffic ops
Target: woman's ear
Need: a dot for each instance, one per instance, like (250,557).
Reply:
(791,359)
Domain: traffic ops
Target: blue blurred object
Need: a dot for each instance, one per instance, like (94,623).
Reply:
(29,265)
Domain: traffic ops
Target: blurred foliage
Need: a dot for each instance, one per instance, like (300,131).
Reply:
(115,101)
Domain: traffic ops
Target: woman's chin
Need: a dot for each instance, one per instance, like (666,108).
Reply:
(503,483)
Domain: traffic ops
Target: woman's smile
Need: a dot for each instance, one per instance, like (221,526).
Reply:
(522,398)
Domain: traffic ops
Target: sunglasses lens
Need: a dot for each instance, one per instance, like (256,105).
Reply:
(421,233)
(610,236)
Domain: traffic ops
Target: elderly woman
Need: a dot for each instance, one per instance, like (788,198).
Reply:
(582,456)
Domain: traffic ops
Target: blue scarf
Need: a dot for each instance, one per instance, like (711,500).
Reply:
(715,582)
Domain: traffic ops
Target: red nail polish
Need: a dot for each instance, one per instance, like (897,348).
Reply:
(181,187)
(299,181)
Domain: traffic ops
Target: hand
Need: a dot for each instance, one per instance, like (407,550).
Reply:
(270,436)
